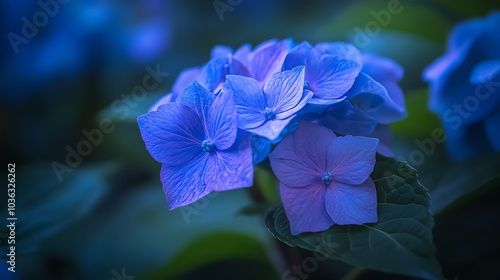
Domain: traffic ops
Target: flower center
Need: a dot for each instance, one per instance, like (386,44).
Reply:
(327,178)
(269,114)
(207,146)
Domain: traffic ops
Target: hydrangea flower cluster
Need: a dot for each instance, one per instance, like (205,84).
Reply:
(325,107)
(464,87)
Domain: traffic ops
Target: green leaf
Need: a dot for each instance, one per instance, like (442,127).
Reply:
(45,206)
(400,243)
(267,183)
(125,141)
(256,209)
(420,121)
(448,180)
(211,249)
(138,216)
(455,180)
(466,237)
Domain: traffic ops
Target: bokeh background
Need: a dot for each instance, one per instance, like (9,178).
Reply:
(107,217)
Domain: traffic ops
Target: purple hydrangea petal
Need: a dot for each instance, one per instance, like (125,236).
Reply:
(290,168)
(348,204)
(284,90)
(384,134)
(267,59)
(172,134)
(305,208)
(222,122)
(310,143)
(232,168)
(341,49)
(184,184)
(249,100)
(492,132)
(351,159)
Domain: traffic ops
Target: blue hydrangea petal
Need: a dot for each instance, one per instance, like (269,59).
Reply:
(305,208)
(199,99)
(341,49)
(299,55)
(306,97)
(470,102)
(284,90)
(243,55)
(249,100)
(172,134)
(345,119)
(222,122)
(231,168)
(351,158)
(271,129)
(332,77)
(324,103)
(215,71)
(348,204)
(221,51)
(386,72)
(492,125)
(485,71)
(304,116)
(184,184)
(372,97)
(382,69)
(164,100)
(290,168)
(261,147)
(466,140)
(185,79)
(267,59)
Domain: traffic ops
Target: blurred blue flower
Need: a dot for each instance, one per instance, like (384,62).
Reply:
(324,179)
(198,142)
(76,37)
(464,84)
